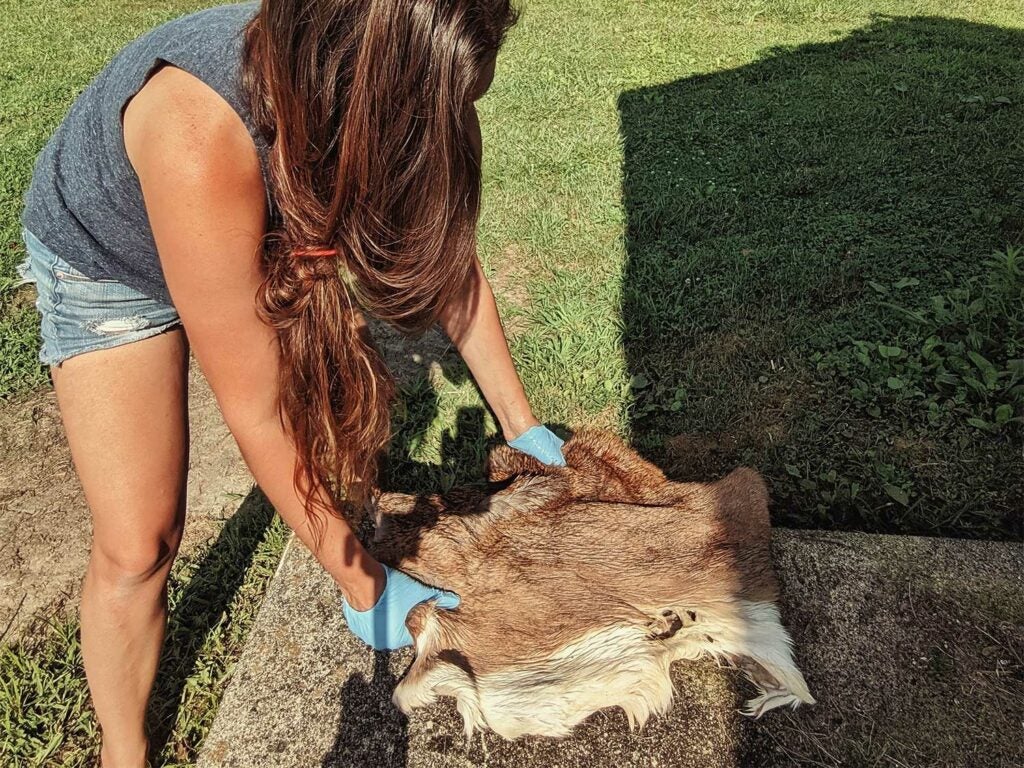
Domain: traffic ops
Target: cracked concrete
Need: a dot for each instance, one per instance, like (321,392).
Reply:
(912,646)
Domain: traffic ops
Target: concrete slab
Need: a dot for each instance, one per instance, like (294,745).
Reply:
(913,647)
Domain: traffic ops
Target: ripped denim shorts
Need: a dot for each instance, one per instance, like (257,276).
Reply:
(82,314)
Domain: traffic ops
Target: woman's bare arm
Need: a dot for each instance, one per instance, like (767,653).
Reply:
(474,325)
(205,197)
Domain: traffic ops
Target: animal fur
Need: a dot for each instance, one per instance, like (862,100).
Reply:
(581,585)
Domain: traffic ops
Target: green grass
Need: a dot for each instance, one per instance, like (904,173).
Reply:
(45,717)
(783,233)
(736,222)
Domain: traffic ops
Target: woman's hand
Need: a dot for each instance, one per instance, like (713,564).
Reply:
(541,443)
(382,627)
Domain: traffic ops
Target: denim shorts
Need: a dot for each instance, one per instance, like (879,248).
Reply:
(82,314)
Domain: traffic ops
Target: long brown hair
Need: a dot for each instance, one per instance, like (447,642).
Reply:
(366,105)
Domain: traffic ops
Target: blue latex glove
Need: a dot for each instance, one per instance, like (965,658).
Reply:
(383,626)
(541,443)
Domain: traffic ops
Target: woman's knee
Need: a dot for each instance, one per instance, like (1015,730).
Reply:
(135,562)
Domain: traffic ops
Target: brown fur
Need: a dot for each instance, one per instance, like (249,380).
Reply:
(606,540)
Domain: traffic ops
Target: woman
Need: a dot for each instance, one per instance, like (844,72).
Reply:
(242,181)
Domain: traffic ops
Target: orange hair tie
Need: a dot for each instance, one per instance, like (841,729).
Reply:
(314,253)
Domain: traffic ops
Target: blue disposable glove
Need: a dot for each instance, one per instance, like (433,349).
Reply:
(541,443)
(383,626)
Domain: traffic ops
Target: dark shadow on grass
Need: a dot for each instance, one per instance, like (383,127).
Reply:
(201,607)
(773,212)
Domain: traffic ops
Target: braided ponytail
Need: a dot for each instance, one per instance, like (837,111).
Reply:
(335,388)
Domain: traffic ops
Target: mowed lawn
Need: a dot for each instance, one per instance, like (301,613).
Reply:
(782,233)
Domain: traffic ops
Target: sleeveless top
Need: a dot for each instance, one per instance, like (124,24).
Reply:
(85,202)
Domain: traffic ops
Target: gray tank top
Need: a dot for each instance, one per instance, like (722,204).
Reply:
(85,202)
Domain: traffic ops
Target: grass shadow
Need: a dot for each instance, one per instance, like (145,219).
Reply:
(789,225)
(464,446)
(200,608)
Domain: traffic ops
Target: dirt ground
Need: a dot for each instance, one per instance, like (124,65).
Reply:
(44,521)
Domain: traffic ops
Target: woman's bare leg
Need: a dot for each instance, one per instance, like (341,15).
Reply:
(125,412)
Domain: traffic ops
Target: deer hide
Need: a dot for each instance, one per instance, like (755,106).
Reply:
(580,585)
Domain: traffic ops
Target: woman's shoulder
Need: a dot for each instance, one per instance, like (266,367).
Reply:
(179,124)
